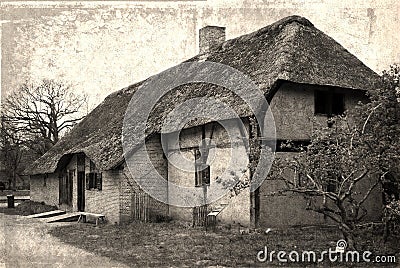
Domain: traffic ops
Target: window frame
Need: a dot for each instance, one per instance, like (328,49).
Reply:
(94,181)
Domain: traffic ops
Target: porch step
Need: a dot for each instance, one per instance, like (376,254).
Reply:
(73,216)
(46,214)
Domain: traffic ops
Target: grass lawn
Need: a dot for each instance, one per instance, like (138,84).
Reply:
(167,244)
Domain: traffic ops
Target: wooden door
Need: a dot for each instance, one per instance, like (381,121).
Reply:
(81,191)
(65,188)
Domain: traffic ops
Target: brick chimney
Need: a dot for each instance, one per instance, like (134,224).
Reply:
(210,37)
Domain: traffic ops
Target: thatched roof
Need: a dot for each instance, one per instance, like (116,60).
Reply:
(291,49)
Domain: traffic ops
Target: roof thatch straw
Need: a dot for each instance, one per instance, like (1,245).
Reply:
(291,49)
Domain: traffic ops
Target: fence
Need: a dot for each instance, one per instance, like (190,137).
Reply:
(200,215)
(141,207)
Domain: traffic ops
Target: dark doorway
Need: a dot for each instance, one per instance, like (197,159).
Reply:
(81,191)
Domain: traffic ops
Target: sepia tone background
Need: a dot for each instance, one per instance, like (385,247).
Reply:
(100,47)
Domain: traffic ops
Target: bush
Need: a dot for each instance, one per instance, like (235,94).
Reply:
(31,207)
(161,218)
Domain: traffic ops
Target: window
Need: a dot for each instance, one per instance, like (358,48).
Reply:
(93,178)
(328,102)
(202,171)
(94,181)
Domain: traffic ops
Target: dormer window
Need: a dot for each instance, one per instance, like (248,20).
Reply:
(328,103)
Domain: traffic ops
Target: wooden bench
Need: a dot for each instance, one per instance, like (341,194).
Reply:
(211,220)
(83,217)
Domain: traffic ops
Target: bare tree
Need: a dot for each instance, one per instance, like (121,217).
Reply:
(343,164)
(10,153)
(336,173)
(41,113)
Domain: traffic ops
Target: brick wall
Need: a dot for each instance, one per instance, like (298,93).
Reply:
(45,190)
(107,200)
(136,171)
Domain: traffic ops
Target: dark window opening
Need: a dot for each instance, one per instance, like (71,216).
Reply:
(337,103)
(328,103)
(391,189)
(94,181)
(292,146)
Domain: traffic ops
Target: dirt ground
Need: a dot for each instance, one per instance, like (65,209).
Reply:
(27,243)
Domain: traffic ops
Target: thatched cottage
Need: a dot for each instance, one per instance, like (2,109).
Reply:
(304,74)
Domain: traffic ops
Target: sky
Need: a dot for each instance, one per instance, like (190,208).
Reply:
(101,47)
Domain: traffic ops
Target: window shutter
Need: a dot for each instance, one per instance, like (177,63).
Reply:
(87,181)
(99,181)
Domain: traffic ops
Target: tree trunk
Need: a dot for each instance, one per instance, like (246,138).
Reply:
(14,181)
(386,230)
(346,226)
(348,234)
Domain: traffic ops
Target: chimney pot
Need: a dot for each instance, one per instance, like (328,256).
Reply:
(210,37)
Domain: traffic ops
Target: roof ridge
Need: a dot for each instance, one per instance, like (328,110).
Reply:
(273,27)
(270,29)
